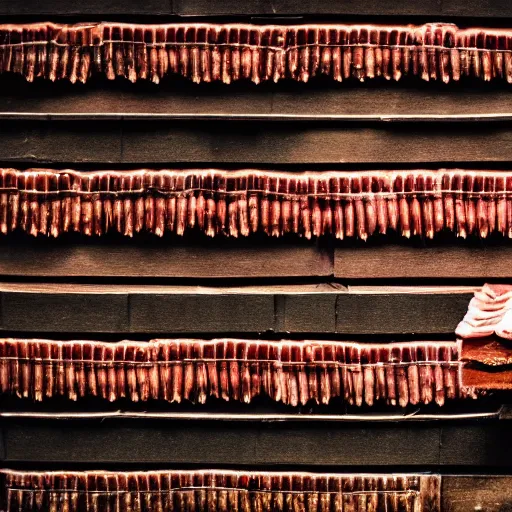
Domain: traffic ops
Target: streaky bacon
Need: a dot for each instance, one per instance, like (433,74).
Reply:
(361,204)
(292,372)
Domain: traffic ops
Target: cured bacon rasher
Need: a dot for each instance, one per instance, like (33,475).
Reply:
(217,491)
(204,52)
(292,372)
(340,204)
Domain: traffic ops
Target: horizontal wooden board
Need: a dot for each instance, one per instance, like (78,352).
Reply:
(165,258)
(456,261)
(428,446)
(79,8)
(254,257)
(473,8)
(284,7)
(127,8)
(491,8)
(163,310)
(374,311)
(317,100)
(479,492)
(163,143)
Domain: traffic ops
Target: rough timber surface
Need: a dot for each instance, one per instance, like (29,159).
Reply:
(480,492)
(452,260)
(135,143)
(165,258)
(458,445)
(325,308)
(127,8)
(199,257)
(319,99)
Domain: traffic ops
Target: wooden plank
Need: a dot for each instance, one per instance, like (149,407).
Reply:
(375,311)
(133,143)
(482,446)
(173,443)
(74,8)
(128,8)
(163,310)
(478,492)
(316,100)
(211,313)
(459,260)
(290,7)
(165,258)
(55,312)
(489,8)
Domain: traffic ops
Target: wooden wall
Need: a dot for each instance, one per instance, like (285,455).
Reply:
(385,289)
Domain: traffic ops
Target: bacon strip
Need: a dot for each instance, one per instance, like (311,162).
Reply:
(215,52)
(216,490)
(236,203)
(292,372)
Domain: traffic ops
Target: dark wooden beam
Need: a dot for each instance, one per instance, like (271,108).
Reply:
(454,260)
(377,100)
(478,492)
(288,7)
(160,143)
(175,443)
(164,8)
(417,310)
(165,258)
(79,8)
(161,310)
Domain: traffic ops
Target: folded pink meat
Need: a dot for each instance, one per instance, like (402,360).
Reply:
(485,350)
(488,313)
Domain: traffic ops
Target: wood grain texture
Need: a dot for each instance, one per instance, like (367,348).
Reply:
(317,99)
(171,309)
(460,261)
(127,8)
(174,443)
(219,143)
(284,7)
(264,444)
(80,8)
(479,492)
(378,312)
(165,258)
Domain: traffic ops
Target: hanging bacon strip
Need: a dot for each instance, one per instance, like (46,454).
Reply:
(220,52)
(292,372)
(419,203)
(216,490)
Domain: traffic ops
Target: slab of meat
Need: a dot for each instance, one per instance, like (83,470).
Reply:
(236,203)
(216,490)
(204,52)
(292,372)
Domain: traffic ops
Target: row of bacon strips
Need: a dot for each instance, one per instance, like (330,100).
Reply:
(214,52)
(215,491)
(489,312)
(294,373)
(339,204)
